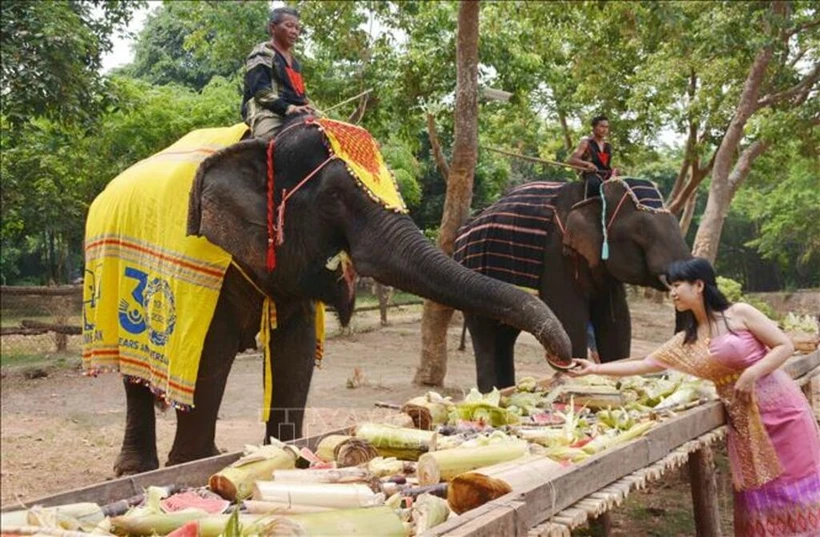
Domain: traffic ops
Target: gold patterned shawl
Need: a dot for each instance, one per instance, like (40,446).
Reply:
(753,449)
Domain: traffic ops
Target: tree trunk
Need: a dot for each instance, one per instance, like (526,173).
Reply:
(688,213)
(720,192)
(435,317)
(562,117)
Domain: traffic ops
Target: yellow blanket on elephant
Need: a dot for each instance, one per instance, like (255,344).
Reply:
(150,290)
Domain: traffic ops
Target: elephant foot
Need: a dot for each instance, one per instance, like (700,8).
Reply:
(177,457)
(130,462)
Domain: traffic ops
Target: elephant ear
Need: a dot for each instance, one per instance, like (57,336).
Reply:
(583,231)
(227,201)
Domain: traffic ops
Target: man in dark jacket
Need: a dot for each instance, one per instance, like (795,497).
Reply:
(594,154)
(273,77)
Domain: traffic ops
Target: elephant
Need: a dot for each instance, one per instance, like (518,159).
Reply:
(328,213)
(572,275)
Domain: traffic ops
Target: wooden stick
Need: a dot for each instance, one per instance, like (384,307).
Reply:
(704,492)
(533,159)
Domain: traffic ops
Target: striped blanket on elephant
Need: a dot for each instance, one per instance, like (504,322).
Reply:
(150,290)
(506,241)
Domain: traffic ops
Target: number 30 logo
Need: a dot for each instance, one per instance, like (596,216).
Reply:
(152,307)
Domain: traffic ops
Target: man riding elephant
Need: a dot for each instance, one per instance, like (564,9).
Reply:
(274,88)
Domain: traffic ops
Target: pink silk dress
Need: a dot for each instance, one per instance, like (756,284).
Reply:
(776,467)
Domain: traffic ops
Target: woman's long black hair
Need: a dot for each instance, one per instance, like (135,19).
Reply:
(714,300)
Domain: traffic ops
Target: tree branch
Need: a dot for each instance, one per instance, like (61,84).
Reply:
(358,113)
(800,27)
(744,163)
(435,144)
(803,85)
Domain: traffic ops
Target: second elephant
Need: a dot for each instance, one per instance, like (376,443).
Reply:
(575,253)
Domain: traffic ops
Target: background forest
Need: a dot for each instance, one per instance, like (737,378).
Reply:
(717,102)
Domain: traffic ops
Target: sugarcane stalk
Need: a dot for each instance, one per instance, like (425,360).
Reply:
(390,466)
(165,523)
(337,523)
(258,507)
(444,465)
(399,442)
(352,474)
(38,530)
(236,481)
(319,495)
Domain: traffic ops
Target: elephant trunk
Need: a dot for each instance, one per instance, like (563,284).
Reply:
(399,255)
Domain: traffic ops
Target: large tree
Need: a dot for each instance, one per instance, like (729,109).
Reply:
(459,176)
(51,57)
(774,79)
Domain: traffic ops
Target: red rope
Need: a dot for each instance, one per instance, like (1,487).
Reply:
(270,262)
(618,208)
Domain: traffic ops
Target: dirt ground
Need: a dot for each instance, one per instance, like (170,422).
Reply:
(63,430)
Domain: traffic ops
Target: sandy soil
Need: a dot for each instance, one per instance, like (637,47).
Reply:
(64,430)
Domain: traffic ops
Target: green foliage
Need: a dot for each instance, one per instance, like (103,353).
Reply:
(405,168)
(729,287)
(52,55)
(734,293)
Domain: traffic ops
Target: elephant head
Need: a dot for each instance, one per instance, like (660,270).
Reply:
(325,215)
(642,237)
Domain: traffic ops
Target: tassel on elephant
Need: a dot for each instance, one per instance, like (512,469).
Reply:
(328,214)
(574,279)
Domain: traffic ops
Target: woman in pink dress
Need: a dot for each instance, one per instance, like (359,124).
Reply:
(773,440)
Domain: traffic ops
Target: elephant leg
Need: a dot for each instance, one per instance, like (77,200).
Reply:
(612,322)
(494,347)
(293,351)
(559,289)
(235,319)
(139,446)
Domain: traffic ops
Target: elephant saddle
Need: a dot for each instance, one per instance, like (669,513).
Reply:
(150,291)
(506,241)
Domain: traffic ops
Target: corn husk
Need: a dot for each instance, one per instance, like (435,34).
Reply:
(326,449)
(73,516)
(472,489)
(399,442)
(606,441)
(444,465)
(354,451)
(428,512)
(318,495)
(236,481)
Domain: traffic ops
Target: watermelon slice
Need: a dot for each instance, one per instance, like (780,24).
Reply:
(190,499)
(190,529)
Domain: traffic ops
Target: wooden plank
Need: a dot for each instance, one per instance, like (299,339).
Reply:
(62,290)
(189,474)
(542,499)
(502,519)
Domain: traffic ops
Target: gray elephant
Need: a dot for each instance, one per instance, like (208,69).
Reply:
(236,196)
(549,238)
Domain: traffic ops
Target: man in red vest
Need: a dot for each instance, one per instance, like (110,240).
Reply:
(273,77)
(594,155)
